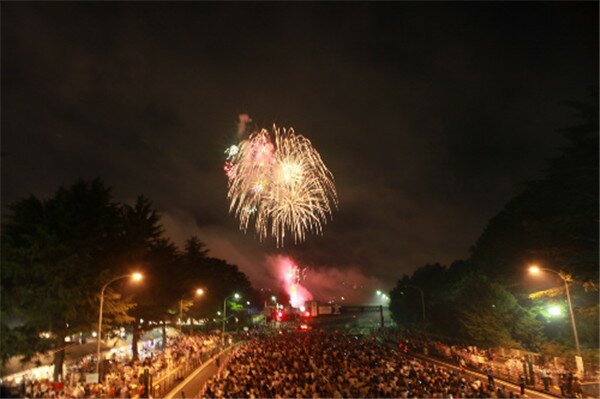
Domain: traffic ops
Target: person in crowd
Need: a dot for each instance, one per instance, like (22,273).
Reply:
(522,384)
(545,379)
(490,375)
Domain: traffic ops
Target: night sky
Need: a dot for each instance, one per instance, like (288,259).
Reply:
(428,115)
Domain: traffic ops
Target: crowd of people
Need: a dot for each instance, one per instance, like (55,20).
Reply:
(328,365)
(547,376)
(300,364)
(123,378)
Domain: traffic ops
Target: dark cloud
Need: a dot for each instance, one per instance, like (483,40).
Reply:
(429,115)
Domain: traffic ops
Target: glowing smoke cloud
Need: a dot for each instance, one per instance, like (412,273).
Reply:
(290,275)
(278,182)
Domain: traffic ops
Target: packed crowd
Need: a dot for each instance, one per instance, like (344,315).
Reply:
(323,365)
(124,378)
(548,376)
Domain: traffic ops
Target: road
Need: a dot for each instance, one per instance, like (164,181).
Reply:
(192,384)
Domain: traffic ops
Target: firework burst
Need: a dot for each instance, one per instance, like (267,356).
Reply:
(278,182)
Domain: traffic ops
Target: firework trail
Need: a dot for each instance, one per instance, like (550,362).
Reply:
(278,182)
(291,275)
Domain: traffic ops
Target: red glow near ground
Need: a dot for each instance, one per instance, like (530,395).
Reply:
(290,276)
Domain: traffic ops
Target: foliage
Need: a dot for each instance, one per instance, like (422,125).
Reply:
(552,221)
(57,254)
(51,256)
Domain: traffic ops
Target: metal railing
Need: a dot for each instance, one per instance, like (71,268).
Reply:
(164,381)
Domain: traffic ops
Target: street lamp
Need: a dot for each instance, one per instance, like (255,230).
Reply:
(554,310)
(199,292)
(236,296)
(134,277)
(534,269)
(566,278)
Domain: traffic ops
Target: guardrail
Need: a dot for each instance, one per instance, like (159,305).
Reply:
(165,381)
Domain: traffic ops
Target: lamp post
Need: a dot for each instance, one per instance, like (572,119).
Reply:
(199,292)
(236,296)
(134,277)
(566,278)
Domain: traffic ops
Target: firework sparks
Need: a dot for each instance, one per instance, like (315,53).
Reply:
(282,178)
(291,275)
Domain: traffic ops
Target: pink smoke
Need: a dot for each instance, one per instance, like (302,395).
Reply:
(289,274)
(243,121)
(346,285)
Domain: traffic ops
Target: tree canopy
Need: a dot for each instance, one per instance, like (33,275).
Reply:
(58,252)
(553,221)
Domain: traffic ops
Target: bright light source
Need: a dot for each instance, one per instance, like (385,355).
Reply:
(302,308)
(137,276)
(273,298)
(304,327)
(247,302)
(378,292)
(555,310)
(199,292)
(218,313)
(232,151)
(534,269)
(237,296)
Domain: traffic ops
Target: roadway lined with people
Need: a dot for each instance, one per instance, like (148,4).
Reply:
(321,364)
(126,378)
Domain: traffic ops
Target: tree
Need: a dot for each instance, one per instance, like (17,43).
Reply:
(58,253)
(51,266)
(142,242)
(554,220)
(490,315)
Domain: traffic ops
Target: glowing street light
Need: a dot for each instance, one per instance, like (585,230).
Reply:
(136,277)
(566,278)
(235,296)
(274,298)
(555,310)
(534,269)
(199,292)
